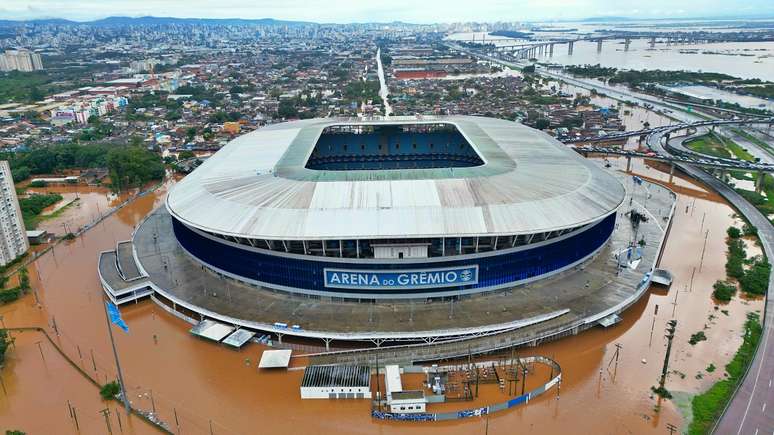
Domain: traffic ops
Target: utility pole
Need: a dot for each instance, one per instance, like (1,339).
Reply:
(106,413)
(655,313)
(671,428)
(124,396)
(674,303)
(701,261)
(41,351)
(670,336)
(378,384)
(486,430)
(618,347)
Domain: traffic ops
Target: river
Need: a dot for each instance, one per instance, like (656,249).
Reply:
(739,59)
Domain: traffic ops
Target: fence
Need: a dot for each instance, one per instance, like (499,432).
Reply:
(478,412)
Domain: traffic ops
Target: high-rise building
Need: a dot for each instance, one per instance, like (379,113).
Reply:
(13,236)
(20,60)
(37,61)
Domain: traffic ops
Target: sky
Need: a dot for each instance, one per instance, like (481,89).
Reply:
(425,11)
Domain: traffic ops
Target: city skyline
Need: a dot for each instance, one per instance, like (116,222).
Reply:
(351,11)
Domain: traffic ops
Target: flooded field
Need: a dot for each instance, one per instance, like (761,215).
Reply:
(208,388)
(80,205)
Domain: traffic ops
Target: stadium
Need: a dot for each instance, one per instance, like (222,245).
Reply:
(435,236)
(394,208)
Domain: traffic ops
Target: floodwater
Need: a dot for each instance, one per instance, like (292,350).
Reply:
(738,59)
(633,117)
(208,388)
(84,205)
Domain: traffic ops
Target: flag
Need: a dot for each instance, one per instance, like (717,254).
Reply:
(115,316)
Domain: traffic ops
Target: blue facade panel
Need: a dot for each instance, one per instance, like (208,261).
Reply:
(309,273)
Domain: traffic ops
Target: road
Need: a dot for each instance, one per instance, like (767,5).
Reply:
(384,92)
(751,147)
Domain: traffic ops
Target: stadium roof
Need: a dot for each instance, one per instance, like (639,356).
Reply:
(257,186)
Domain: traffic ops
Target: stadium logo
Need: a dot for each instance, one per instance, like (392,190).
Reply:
(415,279)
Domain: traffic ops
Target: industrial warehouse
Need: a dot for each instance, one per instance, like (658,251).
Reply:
(396,229)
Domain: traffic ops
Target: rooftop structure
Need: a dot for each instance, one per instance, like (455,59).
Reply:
(336,382)
(528,183)
(275,358)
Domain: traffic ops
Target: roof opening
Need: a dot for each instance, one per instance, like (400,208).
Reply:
(438,145)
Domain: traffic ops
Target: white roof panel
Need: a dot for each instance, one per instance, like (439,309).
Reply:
(257,186)
(275,358)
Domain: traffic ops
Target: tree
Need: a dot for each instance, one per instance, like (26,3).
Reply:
(36,94)
(756,280)
(542,123)
(286,109)
(133,167)
(110,390)
(191,133)
(24,280)
(218,117)
(20,174)
(185,154)
(723,291)
(31,115)
(4,342)
(173,115)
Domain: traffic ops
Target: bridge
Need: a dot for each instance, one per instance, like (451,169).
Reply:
(530,49)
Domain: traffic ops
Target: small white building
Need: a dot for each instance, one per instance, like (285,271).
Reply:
(336,382)
(408,402)
(398,400)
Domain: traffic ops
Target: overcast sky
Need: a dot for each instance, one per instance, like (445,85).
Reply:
(422,11)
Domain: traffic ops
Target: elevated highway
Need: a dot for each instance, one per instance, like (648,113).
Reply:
(658,141)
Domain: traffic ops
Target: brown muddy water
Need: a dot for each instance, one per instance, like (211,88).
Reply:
(82,205)
(213,389)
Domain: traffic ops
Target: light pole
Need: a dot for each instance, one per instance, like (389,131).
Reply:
(118,365)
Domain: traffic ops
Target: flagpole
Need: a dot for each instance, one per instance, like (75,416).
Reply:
(118,365)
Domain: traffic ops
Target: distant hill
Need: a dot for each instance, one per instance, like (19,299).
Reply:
(606,19)
(41,21)
(150,21)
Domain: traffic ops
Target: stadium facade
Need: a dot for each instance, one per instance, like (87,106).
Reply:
(405,207)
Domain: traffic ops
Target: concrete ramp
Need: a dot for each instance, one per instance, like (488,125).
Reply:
(662,276)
